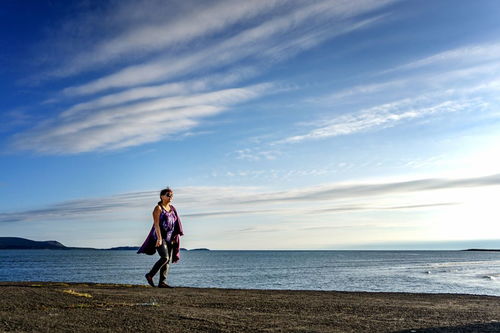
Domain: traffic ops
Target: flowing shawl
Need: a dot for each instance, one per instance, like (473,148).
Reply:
(149,245)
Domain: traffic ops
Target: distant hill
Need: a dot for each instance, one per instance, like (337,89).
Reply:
(200,249)
(492,250)
(17,243)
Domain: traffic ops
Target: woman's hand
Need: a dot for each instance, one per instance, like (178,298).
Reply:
(158,242)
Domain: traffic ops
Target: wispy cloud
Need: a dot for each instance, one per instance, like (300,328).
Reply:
(77,131)
(362,90)
(278,37)
(150,34)
(199,202)
(274,174)
(458,81)
(181,88)
(252,154)
(466,80)
(14,118)
(461,56)
(357,208)
(159,84)
(329,192)
(383,116)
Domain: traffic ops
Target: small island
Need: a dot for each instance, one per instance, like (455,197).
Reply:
(485,250)
(123,248)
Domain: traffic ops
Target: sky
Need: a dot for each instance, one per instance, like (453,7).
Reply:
(279,124)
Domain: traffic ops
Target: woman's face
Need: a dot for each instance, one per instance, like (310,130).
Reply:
(167,197)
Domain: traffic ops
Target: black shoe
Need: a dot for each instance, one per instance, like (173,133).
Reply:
(150,280)
(164,285)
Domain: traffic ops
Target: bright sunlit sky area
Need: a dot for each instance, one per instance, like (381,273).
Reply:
(279,124)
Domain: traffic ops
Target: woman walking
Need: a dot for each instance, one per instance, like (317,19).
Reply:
(163,238)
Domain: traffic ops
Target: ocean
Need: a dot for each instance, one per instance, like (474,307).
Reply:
(377,271)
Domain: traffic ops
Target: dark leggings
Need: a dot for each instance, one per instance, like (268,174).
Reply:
(163,264)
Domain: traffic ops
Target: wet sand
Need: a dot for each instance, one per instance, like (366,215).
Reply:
(77,307)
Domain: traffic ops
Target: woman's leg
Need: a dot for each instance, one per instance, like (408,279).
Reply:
(164,258)
(166,267)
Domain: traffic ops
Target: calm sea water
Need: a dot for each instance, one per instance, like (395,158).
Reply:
(401,271)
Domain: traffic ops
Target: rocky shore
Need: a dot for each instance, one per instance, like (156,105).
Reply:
(82,307)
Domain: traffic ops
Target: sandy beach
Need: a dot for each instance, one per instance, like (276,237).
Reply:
(79,307)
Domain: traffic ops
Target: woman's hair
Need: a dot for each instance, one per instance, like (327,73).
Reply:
(163,192)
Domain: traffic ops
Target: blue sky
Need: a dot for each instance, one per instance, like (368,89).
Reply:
(279,124)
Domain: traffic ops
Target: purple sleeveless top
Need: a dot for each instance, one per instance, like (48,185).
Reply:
(167,223)
(149,245)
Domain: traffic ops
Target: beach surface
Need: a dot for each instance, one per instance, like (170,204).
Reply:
(86,307)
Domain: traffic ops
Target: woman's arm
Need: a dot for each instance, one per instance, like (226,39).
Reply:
(156,221)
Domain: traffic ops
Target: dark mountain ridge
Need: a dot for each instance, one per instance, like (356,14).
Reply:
(23,243)
(18,243)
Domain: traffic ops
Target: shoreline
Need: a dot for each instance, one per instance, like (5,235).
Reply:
(92,307)
(128,285)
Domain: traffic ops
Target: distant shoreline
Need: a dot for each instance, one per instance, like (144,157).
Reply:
(130,248)
(483,250)
(121,248)
(17,243)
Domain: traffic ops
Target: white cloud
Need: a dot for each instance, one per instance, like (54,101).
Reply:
(200,202)
(189,49)
(468,84)
(361,90)
(202,21)
(130,125)
(470,54)
(332,215)
(383,116)
(165,90)
(252,154)
(463,80)
(277,38)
